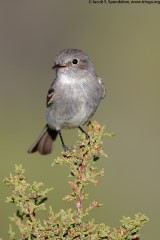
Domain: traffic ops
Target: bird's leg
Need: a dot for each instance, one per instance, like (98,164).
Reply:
(87,136)
(62,141)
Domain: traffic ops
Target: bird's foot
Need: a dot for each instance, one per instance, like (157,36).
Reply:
(67,149)
(87,136)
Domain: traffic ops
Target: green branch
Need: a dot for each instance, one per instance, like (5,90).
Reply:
(71,223)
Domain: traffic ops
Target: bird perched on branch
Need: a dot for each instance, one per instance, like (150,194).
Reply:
(72,98)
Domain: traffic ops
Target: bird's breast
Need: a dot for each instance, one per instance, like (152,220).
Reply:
(75,102)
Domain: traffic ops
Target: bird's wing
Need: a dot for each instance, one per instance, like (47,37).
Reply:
(50,95)
(102,85)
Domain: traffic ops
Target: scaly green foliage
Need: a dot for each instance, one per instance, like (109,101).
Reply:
(68,224)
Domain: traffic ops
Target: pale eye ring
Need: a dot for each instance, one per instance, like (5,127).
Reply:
(75,61)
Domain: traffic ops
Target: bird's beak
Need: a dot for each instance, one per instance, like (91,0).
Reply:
(59,66)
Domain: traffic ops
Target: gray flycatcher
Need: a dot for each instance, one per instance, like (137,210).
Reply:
(72,98)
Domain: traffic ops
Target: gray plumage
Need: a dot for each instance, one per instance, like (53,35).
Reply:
(72,98)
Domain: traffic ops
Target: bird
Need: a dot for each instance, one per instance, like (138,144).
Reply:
(72,98)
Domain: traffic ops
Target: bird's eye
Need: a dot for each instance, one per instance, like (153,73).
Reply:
(75,61)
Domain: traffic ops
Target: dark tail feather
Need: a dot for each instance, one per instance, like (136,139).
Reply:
(44,142)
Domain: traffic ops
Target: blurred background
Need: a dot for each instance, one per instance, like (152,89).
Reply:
(123,42)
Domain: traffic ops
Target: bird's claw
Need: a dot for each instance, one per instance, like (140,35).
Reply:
(67,149)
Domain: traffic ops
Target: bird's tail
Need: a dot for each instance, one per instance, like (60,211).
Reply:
(43,144)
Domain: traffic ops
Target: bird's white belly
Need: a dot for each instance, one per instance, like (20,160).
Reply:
(79,118)
(75,106)
(71,118)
